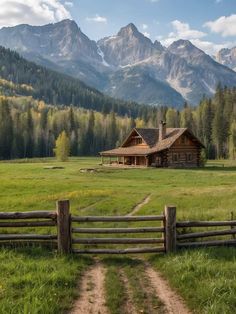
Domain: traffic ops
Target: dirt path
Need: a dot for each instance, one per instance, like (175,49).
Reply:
(92,292)
(174,303)
(140,205)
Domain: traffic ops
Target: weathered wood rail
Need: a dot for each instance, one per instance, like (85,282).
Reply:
(64,232)
(116,230)
(26,220)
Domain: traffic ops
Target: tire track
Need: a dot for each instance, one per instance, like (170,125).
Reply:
(92,292)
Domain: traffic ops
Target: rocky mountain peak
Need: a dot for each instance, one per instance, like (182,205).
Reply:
(62,40)
(227,57)
(185,49)
(128,47)
(158,46)
(128,30)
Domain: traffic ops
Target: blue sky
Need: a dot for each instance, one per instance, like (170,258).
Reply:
(209,24)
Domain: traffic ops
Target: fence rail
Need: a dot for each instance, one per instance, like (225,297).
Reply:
(116,230)
(116,218)
(69,237)
(29,215)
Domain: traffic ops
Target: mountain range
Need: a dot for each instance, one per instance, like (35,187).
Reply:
(127,65)
(20,77)
(227,57)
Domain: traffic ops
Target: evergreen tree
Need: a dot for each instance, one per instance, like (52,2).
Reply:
(6,130)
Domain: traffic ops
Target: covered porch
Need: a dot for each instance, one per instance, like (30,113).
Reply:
(130,161)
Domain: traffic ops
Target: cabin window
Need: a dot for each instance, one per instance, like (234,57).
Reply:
(138,141)
(190,157)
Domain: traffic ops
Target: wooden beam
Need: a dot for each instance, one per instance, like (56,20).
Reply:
(116,218)
(4,237)
(183,224)
(27,224)
(63,227)
(206,234)
(118,230)
(28,215)
(120,251)
(170,229)
(117,240)
(208,243)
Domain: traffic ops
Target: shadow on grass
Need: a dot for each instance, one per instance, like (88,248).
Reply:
(121,261)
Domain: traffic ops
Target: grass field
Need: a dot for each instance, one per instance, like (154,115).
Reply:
(39,281)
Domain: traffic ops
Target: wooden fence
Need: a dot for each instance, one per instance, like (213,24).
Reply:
(70,234)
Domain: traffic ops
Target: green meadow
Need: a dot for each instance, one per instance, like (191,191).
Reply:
(37,280)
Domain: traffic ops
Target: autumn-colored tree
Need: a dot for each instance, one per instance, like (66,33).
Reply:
(62,149)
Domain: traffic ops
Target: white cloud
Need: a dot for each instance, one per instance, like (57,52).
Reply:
(34,12)
(184,31)
(210,47)
(144,26)
(224,25)
(97,18)
(69,4)
(146,34)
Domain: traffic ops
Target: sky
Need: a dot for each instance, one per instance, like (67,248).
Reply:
(209,24)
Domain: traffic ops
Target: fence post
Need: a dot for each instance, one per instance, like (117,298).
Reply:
(170,229)
(63,227)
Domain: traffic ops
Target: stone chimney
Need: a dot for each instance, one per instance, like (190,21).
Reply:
(162,130)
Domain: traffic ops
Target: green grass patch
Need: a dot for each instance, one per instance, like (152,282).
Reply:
(206,278)
(115,294)
(35,280)
(30,277)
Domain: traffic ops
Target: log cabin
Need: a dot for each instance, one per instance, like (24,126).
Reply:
(157,147)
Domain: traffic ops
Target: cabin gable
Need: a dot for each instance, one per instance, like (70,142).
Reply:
(185,151)
(135,139)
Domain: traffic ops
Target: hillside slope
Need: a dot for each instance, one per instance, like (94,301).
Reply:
(55,88)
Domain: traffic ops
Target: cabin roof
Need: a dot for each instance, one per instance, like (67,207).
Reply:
(151,137)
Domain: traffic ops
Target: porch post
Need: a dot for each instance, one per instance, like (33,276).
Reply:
(146,161)
(102,160)
(123,160)
(135,160)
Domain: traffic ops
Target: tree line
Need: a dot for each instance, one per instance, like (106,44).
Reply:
(21,77)
(29,128)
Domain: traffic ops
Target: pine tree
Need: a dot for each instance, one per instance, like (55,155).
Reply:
(232,141)
(6,130)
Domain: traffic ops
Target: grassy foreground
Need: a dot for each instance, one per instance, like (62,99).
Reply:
(29,278)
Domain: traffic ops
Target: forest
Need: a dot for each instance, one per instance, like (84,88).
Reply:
(29,127)
(21,77)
